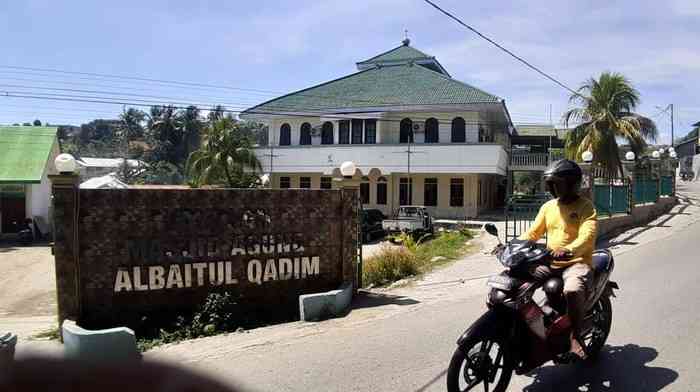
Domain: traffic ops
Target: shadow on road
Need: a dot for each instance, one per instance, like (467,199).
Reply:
(619,368)
(615,241)
(366,299)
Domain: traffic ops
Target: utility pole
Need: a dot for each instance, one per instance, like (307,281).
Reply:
(672,139)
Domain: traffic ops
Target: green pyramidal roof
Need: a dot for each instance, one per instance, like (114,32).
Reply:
(24,152)
(401,53)
(395,85)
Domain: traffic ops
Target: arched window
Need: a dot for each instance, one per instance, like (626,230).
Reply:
(327,133)
(285,135)
(459,134)
(305,134)
(406,131)
(432,135)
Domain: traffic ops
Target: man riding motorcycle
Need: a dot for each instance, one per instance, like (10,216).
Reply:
(569,221)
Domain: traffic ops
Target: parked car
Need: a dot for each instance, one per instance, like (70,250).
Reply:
(371,221)
(410,219)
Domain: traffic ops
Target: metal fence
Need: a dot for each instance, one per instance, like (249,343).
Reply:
(520,213)
(612,196)
(667,185)
(645,189)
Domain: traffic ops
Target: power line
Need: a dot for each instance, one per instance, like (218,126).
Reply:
(496,44)
(138,78)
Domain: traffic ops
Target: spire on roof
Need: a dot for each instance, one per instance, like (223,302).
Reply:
(406,41)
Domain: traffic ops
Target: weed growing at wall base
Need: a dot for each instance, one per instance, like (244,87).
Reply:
(220,313)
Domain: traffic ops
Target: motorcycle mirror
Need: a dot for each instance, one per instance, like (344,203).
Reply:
(491,229)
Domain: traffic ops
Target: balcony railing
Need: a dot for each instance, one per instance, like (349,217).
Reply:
(529,160)
(534,160)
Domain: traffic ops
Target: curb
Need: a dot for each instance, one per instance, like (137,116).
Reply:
(321,306)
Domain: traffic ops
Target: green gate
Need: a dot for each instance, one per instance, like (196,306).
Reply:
(666,186)
(612,197)
(520,214)
(646,190)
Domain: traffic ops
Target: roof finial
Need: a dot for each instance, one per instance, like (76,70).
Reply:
(406,41)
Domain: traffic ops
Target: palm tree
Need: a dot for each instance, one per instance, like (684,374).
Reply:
(605,114)
(225,157)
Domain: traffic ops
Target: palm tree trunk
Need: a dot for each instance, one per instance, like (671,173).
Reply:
(228,176)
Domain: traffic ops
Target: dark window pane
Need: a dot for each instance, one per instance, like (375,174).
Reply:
(285,182)
(344,132)
(326,183)
(405,192)
(456,192)
(370,131)
(356,131)
(327,133)
(381,193)
(459,133)
(305,134)
(285,135)
(432,134)
(430,192)
(305,182)
(406,132)
(364,192)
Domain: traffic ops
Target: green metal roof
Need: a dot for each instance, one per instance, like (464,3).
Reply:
(401,53)
(545,130)
(394,85)
(24,152)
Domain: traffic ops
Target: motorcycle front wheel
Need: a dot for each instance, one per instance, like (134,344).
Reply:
(481,363)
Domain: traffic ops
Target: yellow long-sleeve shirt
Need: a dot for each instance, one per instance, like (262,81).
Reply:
(570,226)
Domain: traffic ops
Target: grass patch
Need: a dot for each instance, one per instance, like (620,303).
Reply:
(51,334)
(414,257)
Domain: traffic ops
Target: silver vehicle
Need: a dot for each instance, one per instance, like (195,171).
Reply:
(410,219)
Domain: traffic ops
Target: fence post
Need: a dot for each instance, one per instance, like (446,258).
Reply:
(350,191)
(64,199)
(587,182)
(628,167)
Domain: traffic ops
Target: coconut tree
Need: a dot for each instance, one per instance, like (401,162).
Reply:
(603,114)
(225,157)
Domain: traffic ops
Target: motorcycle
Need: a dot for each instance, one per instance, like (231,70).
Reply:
(518,334)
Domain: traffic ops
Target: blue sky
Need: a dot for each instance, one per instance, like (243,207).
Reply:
(277,46)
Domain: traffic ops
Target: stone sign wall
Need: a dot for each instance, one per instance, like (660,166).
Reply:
(143,252)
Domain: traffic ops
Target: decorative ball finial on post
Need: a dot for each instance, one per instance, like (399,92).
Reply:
(65,163)
(347,168)
(587,156)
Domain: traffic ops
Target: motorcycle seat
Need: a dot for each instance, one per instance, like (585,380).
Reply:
(602,261)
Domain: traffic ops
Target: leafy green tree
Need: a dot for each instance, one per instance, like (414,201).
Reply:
(604,114)
(215,114)
(132,123)
(165,135)
(192,127)
(226,157)
(162,173)
(37,123)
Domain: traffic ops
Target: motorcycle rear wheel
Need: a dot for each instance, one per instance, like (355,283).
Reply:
(594,341)
(480,363)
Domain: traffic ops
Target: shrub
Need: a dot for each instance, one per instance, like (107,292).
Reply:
(219,313)
(389,265)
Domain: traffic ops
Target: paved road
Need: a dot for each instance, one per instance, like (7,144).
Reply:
(406,344)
